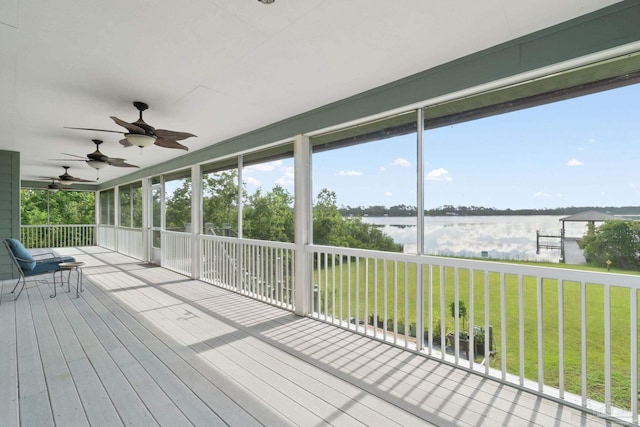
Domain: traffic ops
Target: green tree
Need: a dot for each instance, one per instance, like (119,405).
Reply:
(269,216)
(220,199)
(330,228)
(61,207)
(178,207)
(328,224)
(616,241)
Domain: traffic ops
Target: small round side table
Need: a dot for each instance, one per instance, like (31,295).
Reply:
(70,266)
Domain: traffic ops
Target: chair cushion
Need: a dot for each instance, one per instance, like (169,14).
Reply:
(48,265)
(19,251)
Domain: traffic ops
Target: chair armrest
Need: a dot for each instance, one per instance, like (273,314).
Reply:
(47,254)
(22,259)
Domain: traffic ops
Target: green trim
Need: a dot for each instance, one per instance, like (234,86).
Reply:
(42,185)
(604,29)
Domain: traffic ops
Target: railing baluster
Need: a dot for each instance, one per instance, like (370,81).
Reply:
(503,325)
(357,308)
(366,295)
(407,320)
(634,355)
(583,342)
(395,302)
(521,328)
(561,338)
(443,332)
(607,349)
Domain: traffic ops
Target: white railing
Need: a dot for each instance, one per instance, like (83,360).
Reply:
(258,269)
(176,252)
(570,334)
(129,242)
(567,333)
(107,237)
(57,235)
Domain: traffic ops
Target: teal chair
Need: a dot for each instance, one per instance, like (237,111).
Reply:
(29,266)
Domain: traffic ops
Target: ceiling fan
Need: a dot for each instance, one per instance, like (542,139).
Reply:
(54,186)
(65,178)
(140,134)
(97,160)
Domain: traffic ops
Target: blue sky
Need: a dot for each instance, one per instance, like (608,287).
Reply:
(579,152)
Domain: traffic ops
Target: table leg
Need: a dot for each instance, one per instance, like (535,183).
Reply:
(79,282)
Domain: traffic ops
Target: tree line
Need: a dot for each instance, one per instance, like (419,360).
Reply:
(446,210)
(269,215)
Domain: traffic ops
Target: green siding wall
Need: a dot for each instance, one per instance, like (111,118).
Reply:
(9,207)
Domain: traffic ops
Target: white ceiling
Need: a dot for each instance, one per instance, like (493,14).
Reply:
(220,68)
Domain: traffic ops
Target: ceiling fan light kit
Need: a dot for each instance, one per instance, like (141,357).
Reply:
(140,140)
(97,164)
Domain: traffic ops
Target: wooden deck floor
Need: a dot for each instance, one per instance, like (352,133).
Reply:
(145,346)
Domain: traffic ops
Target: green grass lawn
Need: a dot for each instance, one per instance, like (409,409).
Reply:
(363,286)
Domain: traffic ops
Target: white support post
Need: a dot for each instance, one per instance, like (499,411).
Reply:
(420,183)
(146,220)
(303,225)
(116,216)
(420,230)
(196,220)
(96,201)
(240,199)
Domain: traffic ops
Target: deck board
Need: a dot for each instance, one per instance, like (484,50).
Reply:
(8,357)
(147,346)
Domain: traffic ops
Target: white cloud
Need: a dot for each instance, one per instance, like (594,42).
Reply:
(574,162)
(263,167)
(349,173)
(251,180)
(539,194)
(383,169)
(592,140)
(581,148)
(440,174)
(287,178)
(401,162)
(388,194)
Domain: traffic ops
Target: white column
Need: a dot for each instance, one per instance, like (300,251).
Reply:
(196,220)
(146,220)
(420,175)
(116,216)
(420,229)
(240,199)
(303,225)
(96,200)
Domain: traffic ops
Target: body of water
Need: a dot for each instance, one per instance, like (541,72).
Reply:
(498,237)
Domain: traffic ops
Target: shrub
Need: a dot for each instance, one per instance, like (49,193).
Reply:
(616,241)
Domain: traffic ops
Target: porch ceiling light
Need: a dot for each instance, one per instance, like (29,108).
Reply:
(97,164)
(65,182)
(266,1)
(140,140)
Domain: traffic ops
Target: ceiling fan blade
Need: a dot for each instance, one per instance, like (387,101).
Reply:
(68,160)
(121,163)
(98,130)
(169,143)
(125,142)
(74,179)
(73,155)
(171,134)
(128,126)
